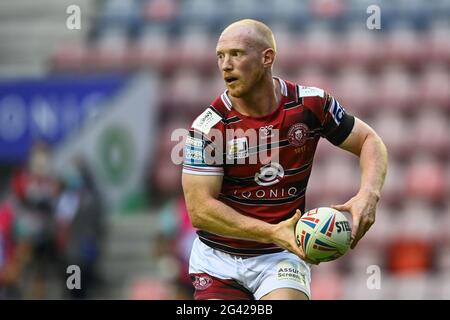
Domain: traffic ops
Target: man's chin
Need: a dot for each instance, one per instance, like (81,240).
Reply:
(235,92)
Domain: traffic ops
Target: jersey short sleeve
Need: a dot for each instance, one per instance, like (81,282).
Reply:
(336,124)
(203,153)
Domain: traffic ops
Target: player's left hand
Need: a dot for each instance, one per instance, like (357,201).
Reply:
(363,208)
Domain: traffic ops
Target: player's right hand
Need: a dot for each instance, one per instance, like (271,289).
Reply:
(284,236)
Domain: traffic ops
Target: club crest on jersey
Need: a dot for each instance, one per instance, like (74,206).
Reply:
(297,134)
(237,148)
(202,282)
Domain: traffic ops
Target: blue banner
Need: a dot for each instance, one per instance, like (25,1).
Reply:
(49,109)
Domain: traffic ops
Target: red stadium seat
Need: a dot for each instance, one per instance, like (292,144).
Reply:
(110,50)
(431,132)
(396,88)
(194,48)
(327,283)
(425,179)
(340,176)
(160,10)
(395,131)
(314,76)
(435,86)
(437,44)
(152,47)
(362,47)
(403,46)
(320,47)
(184,89)
(353,90)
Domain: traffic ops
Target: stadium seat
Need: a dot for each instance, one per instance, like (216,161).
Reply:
(382,230)
(403,46)
(152,45)
(410,287)
(353,89)
(109,50)
(395,131)
(183,88)
(438,43)
(425,179)
(340,179)
(160,10)
(435,86)
(327,282)
(397,87)
(443,285)
(363,286)
(313,76)
(320,47)
(194,48)
(442,226)
(431,132)
(361,47)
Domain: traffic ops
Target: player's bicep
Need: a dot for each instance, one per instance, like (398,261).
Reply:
(201,187)
(200,191)
(355,140)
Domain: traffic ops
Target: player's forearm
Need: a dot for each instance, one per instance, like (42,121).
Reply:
(373,162)
(218,218)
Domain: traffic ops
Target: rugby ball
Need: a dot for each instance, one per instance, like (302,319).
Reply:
(324,234)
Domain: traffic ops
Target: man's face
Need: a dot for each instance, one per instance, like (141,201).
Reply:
(240,62)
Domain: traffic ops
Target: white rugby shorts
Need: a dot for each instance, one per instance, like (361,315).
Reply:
(259,275)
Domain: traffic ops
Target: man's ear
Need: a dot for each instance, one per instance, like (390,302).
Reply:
(268,57)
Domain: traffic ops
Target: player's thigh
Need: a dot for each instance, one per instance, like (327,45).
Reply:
(279,273)
(285,294)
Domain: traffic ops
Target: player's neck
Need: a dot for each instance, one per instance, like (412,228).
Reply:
(261,101)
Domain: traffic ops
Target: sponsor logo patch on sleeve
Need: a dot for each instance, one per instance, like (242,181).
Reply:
(310,92)
(194,142)
(193,156)
(206,121)
(337,111)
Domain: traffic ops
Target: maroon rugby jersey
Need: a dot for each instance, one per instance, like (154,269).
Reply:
(265,162)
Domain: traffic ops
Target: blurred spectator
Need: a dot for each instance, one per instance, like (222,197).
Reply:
(175,240)
(35,189)
(14,253)
(80,220)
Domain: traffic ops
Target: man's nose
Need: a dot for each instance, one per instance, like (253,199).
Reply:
(226,64)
